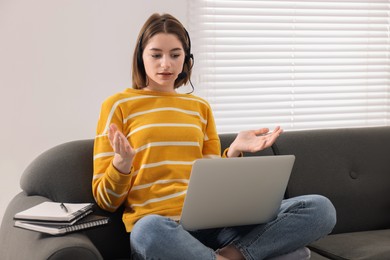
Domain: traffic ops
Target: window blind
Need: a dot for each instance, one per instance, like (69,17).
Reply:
(303,64)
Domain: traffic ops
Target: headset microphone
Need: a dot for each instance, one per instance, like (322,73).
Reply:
(183,75)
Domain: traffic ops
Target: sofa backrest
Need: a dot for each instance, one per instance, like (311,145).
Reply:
(349,166)
(62,173)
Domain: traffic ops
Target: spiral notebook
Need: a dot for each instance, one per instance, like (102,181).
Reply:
(55,212)
(85,223)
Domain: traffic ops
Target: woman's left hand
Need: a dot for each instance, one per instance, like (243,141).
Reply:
(253,141)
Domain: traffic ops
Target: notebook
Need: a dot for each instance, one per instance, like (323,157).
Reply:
(55,212)
(85,223)
(56,223)
(235,191)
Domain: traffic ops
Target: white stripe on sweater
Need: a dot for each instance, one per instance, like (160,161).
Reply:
(116,104)
(160,199)
(97,176)
(156,164)
(146,146)
(189,112)
(139,187)
(100,155)
(162,125)
(194,99)
(117,195)
(109,191)
(101,195)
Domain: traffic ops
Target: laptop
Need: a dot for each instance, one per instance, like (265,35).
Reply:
(235,191)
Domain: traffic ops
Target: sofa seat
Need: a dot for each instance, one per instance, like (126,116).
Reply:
(365,245)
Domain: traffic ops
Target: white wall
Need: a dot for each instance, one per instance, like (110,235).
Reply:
(58,61)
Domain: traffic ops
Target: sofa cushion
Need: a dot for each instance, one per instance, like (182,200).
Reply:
(316,256)
(367,245)
(349,166)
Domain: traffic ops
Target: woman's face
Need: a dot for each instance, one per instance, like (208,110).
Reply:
(163,58)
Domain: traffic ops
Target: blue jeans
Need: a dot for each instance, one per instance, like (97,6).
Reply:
(300,221)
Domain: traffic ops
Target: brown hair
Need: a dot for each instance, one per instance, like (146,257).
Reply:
(157,23)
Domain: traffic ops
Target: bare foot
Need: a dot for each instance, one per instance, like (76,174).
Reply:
(230,252)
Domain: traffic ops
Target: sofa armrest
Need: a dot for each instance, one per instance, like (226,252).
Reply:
(18,243)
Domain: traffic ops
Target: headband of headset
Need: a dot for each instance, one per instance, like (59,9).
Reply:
(188,54)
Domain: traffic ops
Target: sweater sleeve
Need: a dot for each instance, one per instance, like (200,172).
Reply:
(109,186)
(211,144)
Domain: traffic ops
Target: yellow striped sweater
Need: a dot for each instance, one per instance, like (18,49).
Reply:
(168,131)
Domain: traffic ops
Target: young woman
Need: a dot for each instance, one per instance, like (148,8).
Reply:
(147,140)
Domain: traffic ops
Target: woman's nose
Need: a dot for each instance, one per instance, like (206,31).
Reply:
(165,62)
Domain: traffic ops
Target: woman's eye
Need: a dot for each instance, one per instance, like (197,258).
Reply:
(175,56)
(156,56)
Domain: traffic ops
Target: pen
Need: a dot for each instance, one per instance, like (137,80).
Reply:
(64,207)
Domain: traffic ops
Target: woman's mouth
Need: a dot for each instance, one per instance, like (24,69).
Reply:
(165,75)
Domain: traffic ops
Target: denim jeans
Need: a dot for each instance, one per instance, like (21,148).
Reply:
(300,221)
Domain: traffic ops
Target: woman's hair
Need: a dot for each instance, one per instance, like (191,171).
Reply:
(157,23)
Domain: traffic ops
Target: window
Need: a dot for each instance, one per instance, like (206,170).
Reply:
(299,64)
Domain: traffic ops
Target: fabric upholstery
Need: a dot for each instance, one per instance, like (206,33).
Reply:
(62,173)
(16,243)
(349,166)
(366,245)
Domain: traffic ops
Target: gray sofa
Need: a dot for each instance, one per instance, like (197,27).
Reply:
(349,166)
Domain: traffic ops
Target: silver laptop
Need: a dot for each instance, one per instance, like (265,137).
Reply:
(235,191)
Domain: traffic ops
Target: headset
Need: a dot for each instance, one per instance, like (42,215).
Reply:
(188,56)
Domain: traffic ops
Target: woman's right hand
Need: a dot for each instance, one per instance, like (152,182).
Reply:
(124,153)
